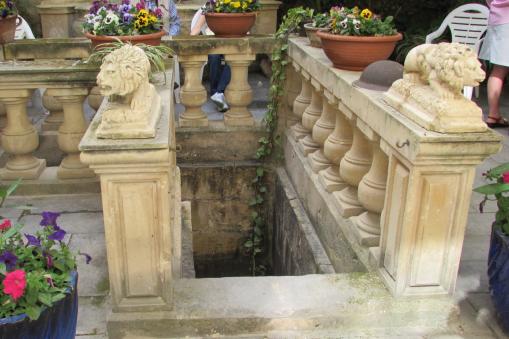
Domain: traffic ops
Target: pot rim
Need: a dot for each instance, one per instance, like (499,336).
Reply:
(337,37)
(10,17)
(135,37)
(232,14)
(310,26)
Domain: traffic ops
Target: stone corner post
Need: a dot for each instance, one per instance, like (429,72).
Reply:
(139,181)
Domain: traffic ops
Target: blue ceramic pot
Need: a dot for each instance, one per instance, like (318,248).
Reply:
(498,274)
(58,321)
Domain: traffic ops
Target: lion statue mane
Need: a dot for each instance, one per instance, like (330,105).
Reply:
(124,78)
(447,70)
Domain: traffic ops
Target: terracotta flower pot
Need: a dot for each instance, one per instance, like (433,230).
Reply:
(311,30)
(230,25)
(153,39)
(354,53)
(8,28)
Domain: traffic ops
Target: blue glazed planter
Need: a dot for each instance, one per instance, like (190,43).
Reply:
(58,321)
(498,274)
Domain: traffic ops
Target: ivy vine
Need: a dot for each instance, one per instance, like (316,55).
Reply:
(254,245)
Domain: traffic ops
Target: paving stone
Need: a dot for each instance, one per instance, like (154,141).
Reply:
(92,314)
(75,223)
(479,224)
(475,247)
(62,203)
(93,278)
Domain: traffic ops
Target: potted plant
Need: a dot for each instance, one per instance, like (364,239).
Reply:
(320,23)
(107,22)
(38,279)
(8,21)
(358,38)
(498,257)
(230,18)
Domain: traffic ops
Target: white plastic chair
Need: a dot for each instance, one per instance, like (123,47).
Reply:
(23,31)
(467,24)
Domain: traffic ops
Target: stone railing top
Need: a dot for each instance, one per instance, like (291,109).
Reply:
(79,48)
(376,118)
(46,73)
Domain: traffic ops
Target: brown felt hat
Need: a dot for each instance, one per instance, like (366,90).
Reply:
(380,75)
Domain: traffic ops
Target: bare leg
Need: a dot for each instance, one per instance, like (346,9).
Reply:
(495,83)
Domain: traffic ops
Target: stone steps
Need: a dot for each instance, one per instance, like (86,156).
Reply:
(325,306)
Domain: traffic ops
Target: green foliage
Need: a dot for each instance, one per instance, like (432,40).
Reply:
(498,187)
(155,54)
(254,245)
(321,20)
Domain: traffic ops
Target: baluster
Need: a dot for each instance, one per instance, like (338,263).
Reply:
(56,114)
(19,137)
(300,104)
(71,131)
(293,85)
(239,94)
(354,165)
(3,116)
(95,98)
(371,194)
(193,95)
(311,115)
(321,131)
(334,149)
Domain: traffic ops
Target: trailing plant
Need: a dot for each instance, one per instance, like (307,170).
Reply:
(254,245)
(321,20)
(35,269)
(156,54)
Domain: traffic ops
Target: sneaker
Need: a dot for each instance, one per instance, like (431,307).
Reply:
(220,101)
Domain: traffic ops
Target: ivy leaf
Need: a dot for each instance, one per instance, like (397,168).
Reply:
(248,244)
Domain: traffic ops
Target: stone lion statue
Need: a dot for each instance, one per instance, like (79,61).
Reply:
(124,79)
(446,67)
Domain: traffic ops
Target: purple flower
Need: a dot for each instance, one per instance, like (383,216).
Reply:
(33,241)
(49,260)
(9,259)
(49,219)
(57,235)
(88,258)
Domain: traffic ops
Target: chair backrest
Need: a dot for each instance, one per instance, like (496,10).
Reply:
(23,31)
(467,23)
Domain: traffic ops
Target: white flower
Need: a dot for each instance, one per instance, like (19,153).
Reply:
(344,23)
(356,24)
(111,18)
(90,18)
(96,25)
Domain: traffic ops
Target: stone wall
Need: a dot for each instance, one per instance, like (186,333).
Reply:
(296,248)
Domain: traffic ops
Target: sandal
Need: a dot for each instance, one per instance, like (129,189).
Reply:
(497,122)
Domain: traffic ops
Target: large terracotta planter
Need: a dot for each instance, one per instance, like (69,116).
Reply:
(354,53)
(153,39)
(8,28)
(311,30)
(230,25)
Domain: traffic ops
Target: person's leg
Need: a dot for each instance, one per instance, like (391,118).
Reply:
(224,80)
(214,72)
(495,84)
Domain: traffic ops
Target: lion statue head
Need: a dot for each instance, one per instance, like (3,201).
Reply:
(446,67)
(123,71)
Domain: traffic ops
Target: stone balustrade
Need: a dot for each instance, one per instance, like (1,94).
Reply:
(398,192)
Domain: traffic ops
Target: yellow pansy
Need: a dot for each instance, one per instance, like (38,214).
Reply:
(143,13)
(244,5)
(226,2)
(236,4)
(366,13)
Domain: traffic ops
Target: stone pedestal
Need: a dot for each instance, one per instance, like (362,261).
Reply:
(266,18)
(239,94)
(138,185)
(193,95)
(56,19)
(19,138)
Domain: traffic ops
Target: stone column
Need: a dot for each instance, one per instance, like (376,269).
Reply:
(354,165)
(334,149)
(138,180)
(311,115)
(371,195)
(193,95)
(321,131)
(239,94)
(302,101)
(293,85)
(95,98)
(56,113)
(19,138)
(71,131)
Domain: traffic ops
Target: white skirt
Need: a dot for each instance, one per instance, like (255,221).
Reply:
(495,47)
